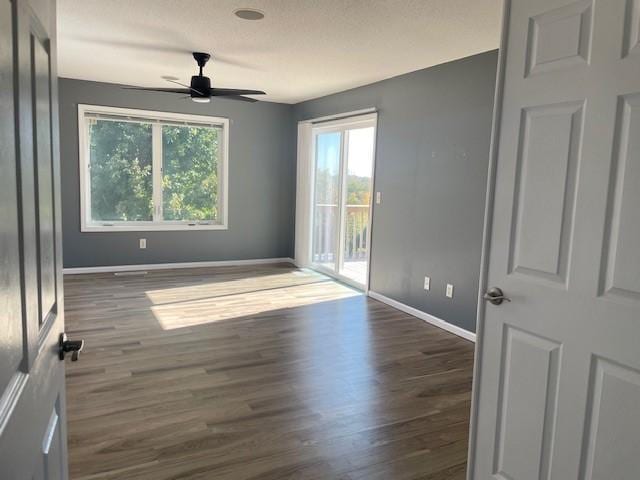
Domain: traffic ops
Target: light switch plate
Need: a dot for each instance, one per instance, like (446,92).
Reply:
(378,198)
(143,243)
(427,283)
(449,292)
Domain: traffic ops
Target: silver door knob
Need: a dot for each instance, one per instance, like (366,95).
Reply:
(495,296)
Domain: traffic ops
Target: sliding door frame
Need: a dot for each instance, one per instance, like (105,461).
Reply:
(343,125)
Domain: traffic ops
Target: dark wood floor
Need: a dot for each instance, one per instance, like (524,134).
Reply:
(266,373)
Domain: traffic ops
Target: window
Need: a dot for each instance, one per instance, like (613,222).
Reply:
(143,170)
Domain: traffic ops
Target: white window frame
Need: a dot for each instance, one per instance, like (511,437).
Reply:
(89,225)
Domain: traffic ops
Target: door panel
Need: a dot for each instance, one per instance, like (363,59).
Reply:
(557,379)
(613,420)
(52,448)
(622,257)
(559,38)
(631,42)
(545,190)
(41,83)
(32,403)
(528,390)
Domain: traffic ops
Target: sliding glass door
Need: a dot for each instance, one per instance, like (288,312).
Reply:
(343,182)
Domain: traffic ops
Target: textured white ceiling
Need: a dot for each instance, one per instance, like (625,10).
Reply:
(302,49)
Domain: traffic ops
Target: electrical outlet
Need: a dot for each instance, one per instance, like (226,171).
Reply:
(449,292)
(143,243)
(378,198)
(427,283)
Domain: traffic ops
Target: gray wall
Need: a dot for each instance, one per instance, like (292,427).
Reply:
(261,183)
(434,127)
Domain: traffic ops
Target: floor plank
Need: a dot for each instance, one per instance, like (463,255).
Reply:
(263,373)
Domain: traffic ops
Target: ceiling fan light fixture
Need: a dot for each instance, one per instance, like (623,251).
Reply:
(249,14)
(199,89)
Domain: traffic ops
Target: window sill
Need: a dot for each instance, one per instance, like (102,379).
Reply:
(182,227)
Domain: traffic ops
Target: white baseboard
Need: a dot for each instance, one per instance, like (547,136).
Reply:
(438,322)
(166,266)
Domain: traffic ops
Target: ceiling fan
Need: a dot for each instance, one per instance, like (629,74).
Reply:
(200,89)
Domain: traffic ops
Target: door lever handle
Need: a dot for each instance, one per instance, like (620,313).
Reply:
(70,346)
(495,296)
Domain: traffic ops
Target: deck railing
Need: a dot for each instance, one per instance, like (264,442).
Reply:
(355,232)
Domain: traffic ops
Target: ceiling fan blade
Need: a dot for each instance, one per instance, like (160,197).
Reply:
(163,90)
(221,92)
(241,98)
(189,87)
(176,82)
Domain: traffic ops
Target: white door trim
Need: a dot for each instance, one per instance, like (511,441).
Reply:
(372,202)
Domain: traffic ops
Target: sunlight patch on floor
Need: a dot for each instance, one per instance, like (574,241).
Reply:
(243,297)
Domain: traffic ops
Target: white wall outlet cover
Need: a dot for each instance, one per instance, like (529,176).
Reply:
(449,290)
(378,198)
(143,243)
(427,283)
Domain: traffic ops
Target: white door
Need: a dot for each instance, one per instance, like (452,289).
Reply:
(557,383)
(343,152)
(33,443)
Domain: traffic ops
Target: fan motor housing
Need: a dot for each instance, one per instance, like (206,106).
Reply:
(201,84)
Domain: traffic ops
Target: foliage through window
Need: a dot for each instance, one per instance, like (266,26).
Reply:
(189,173)
(151,170)
(120,170)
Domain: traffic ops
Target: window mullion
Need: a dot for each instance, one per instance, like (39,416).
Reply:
(85,154)
(157,172)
